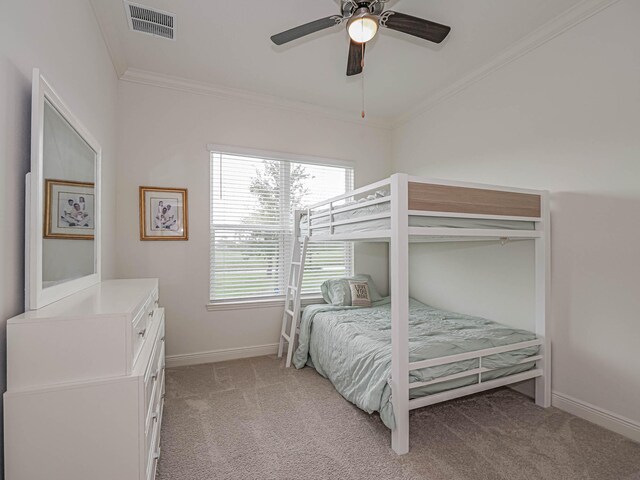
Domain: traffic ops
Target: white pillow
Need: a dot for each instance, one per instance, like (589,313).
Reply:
(336,291)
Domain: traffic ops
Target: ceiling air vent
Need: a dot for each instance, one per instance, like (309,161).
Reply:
(150,21)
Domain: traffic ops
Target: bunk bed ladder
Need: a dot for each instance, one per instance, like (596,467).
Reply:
(291,316)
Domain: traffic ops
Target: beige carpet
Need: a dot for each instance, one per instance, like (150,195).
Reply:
(253,419)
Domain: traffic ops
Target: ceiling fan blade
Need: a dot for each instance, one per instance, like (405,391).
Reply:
(354,64)
(418,27)
(306,29)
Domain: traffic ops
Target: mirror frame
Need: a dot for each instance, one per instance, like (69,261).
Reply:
(35,295)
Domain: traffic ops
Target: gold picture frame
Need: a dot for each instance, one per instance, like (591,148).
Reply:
(72,205)
(164,214)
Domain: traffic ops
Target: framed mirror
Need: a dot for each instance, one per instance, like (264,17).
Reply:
(63,202)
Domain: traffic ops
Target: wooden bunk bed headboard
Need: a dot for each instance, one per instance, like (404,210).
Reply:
(454,199)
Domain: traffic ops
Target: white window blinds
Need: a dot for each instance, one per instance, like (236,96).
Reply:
(252,208)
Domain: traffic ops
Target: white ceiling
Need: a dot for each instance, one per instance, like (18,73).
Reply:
(226,44)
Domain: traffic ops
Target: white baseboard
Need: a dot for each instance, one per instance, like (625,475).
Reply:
(220,355)
(597,415)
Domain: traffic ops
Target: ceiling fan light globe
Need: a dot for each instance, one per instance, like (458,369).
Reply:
(362,28)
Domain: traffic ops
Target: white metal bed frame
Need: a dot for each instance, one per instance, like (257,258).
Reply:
(399,235)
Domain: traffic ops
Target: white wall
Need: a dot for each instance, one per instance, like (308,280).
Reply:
(565,117)
(62,38)
(163,135)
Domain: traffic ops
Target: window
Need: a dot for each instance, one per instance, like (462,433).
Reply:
(253,201)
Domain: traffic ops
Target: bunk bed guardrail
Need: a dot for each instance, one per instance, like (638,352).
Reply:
(478,372)
(428,198)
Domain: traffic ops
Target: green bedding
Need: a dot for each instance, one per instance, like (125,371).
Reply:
(351,346)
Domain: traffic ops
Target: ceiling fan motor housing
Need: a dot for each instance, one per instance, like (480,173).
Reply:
(350,7)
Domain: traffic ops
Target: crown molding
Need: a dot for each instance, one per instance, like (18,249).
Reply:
(198,88)
(130,74)
(550,30)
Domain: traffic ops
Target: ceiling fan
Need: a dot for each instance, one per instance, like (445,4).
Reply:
(363,19)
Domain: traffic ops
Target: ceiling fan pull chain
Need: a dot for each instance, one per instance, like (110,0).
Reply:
(362,67)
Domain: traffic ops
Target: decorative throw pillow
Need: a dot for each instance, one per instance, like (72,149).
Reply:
(359,293)
(337,291)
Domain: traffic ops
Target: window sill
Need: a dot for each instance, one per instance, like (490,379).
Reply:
(258,303)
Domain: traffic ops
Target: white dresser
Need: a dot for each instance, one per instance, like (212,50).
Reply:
(85,386)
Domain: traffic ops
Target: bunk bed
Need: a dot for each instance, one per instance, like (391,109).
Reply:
(399,210)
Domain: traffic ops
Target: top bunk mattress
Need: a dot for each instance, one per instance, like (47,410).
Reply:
(414,220)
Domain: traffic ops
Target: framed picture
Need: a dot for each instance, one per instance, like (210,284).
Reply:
(163,214)
(69,211)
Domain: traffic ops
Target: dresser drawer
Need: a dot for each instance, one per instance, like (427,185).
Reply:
(150,436)
(153,384)
(139,335)
(154,455)
(143,322)
(154,372)
(159,390)
(151,308)
(150,432)
(155,412)
(153,445)
(154,299)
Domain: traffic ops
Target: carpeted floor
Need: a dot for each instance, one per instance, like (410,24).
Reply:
(253,419)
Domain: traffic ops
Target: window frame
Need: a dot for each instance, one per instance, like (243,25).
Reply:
(275,301)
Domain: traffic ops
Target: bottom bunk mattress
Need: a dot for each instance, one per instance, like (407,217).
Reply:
(351,346)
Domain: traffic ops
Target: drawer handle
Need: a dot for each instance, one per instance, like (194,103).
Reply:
(154,377)
(142,333)
(156,303)
(156,455)
(162,339)
(155,416)
(151,313)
